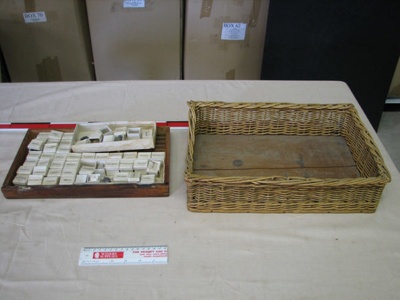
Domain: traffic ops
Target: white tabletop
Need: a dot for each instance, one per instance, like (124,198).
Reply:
(211,256)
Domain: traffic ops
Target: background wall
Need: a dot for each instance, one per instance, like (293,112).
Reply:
(354,41)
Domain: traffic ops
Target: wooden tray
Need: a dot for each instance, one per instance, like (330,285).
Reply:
(11,191)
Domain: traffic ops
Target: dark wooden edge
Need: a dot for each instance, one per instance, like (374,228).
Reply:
(11,191)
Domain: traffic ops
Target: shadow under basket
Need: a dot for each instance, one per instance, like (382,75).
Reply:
(281,158)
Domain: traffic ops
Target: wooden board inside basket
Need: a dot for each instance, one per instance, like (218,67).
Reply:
(273,155)
(87,191)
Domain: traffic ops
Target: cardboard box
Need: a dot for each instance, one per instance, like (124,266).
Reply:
(45,40)
(224,39)
(394,90)
(136,39)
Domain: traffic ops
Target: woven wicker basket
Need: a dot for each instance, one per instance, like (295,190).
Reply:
(282,194)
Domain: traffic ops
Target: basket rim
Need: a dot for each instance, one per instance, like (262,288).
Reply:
(286,181)
(383,177)
(277,105)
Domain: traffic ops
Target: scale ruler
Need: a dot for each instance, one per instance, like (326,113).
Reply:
(116,256)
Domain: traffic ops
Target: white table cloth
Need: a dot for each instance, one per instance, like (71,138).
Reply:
(211,256)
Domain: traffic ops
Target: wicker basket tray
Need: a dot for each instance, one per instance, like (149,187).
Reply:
(281,190)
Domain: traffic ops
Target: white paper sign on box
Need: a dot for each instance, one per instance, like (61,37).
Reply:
(233,31)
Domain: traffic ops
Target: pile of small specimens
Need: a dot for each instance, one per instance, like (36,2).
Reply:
(50,162)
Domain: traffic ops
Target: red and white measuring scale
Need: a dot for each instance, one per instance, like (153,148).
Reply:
(132,255)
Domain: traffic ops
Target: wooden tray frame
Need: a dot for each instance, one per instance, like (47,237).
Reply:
(11,191)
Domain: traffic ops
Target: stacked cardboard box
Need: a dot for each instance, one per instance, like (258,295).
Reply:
(136,39)
(45,40)
(49,40)
(224,39)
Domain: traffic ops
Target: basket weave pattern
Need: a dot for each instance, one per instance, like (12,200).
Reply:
(278,194)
